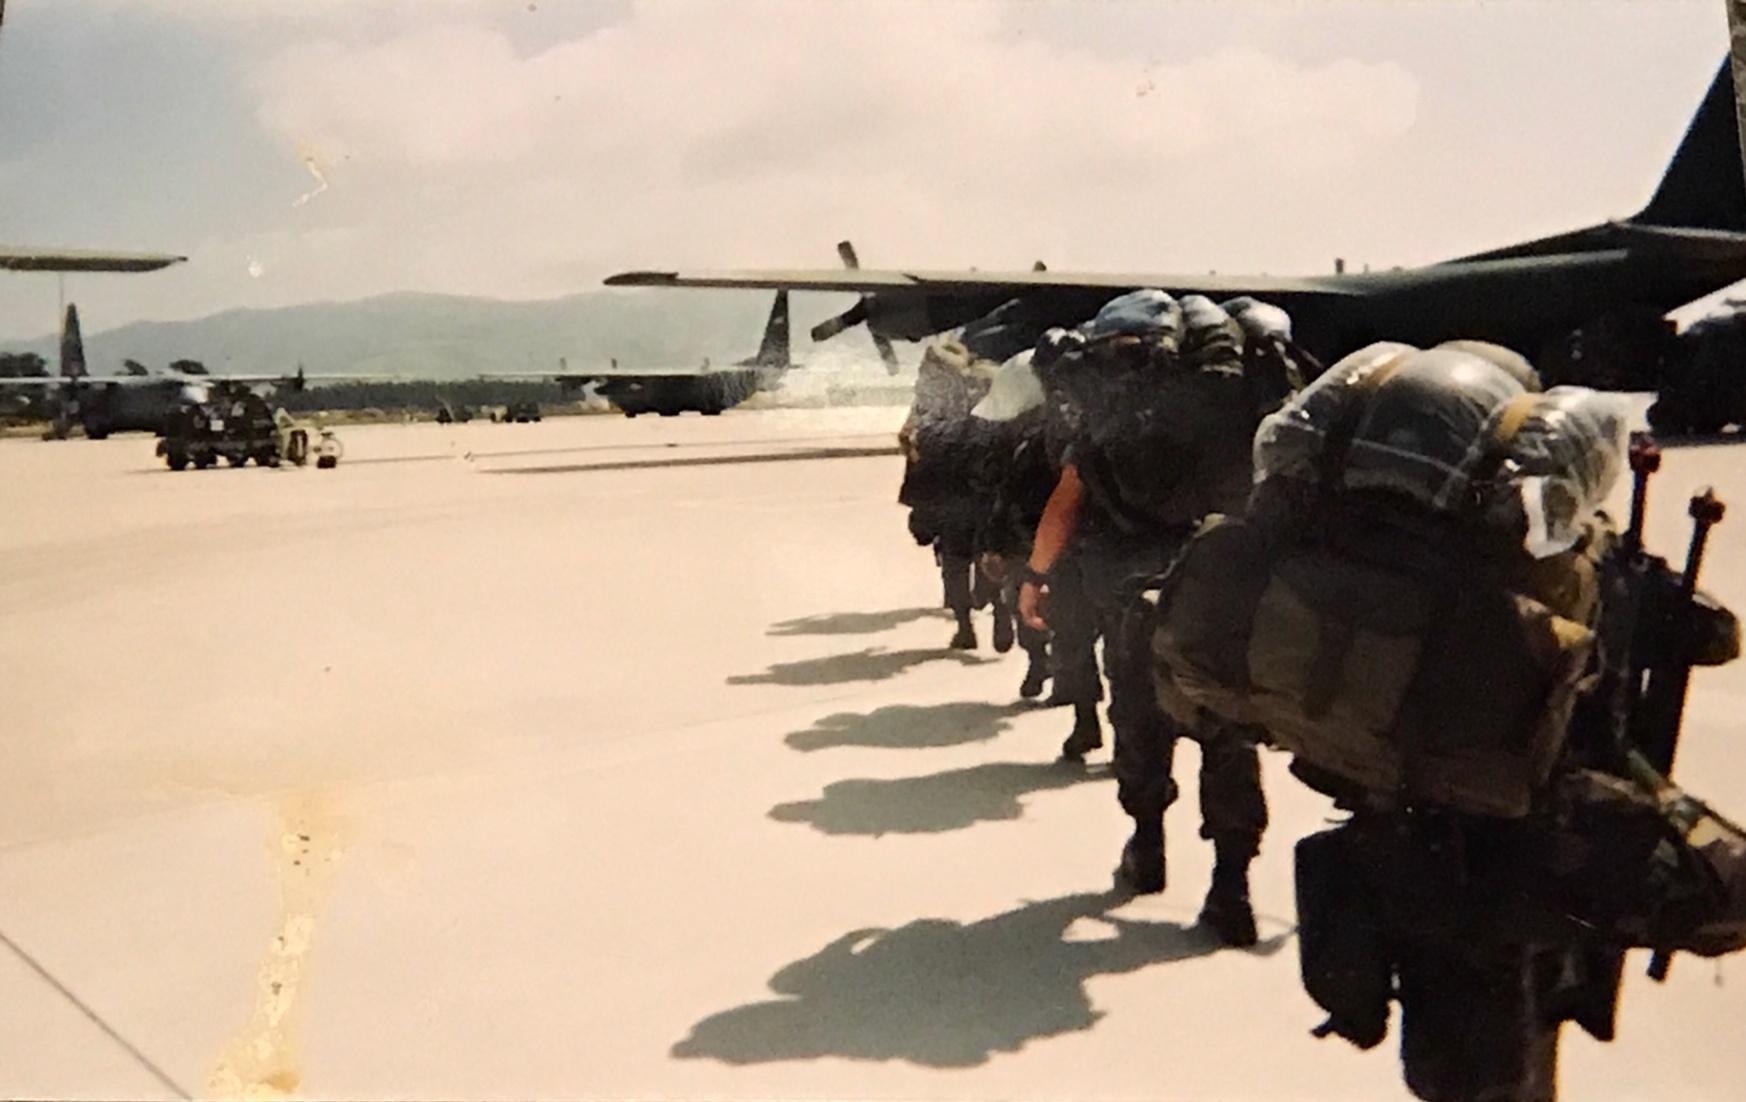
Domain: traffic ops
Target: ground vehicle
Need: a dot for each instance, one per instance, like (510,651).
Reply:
(448,413)
(239,428)
(234,425)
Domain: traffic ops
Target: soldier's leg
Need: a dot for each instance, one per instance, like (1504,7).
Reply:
(1034,643)
(984,590)
(1073,654)
(955,553)
(1003,597)
(1233,816)
(1145,746)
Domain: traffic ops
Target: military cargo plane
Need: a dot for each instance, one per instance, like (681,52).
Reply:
(672,391)
(139,401)
(1612,283)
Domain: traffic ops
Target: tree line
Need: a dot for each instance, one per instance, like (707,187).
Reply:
(414,396)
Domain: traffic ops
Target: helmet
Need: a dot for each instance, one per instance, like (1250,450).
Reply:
(1147,312)
(1210,335)
(1259,320)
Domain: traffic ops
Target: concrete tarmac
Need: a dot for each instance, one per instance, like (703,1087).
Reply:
(607,758)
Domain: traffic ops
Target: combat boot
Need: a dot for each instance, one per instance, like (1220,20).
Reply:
(965,639)
(1141,870)
(1003,630)
(1035,676)
(1226,911)
(1087,734)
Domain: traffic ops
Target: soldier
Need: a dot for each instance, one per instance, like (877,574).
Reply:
(936,478)
(1167,445)
(945,448)
(1015,478)
(1412,605)
(1071,390)
(1274,363)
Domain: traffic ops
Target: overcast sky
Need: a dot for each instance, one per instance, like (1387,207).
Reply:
(330,149)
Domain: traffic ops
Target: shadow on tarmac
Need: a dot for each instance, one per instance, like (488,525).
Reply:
(1713,440)
(933,804)
(870,664)
(909,726)
(856,623)
(946,994)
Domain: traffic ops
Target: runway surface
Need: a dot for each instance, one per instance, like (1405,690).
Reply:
(608,758)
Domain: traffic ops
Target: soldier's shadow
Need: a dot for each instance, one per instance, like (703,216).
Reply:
(856,623)
(909,726)
(947,994)
(935,803)
(869,664)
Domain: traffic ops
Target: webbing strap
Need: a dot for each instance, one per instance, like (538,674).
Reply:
(1340,438)
(1515,414)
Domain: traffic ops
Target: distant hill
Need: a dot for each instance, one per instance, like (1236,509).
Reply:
(447,336)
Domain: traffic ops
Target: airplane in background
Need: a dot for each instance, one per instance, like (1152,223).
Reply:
(1611,284)
(671,391)
(139,401)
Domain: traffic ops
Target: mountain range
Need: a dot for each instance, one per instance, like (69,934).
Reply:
(432,336)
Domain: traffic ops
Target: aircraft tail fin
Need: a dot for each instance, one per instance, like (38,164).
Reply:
(1705,183)
(773,353)
(72,345)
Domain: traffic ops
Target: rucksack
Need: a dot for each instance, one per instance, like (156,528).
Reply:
(1169,442)
(940,438)
(1414,654)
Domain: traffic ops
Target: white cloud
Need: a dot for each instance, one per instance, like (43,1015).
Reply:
(759,133)
(478,147)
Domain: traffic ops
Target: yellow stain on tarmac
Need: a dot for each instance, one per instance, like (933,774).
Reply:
(262,1060)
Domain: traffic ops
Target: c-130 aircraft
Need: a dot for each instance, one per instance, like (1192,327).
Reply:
(142,401)
(671,391)
(1619,278)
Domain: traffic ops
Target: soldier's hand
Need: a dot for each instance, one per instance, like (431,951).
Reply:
(1030,605)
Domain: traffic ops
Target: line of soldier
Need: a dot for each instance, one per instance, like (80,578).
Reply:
(1160,478)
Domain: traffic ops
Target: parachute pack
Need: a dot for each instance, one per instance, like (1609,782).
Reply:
(938,438)
(1169,440)
(1409,605)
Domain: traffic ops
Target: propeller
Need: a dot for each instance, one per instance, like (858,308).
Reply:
(856,315)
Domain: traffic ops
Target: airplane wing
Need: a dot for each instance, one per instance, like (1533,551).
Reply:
(129,380)
(980,284)
(295,380)
(914,305)
(20,259)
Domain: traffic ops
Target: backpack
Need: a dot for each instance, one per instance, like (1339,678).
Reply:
(1169,442)
(1413,655)
(939,438)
